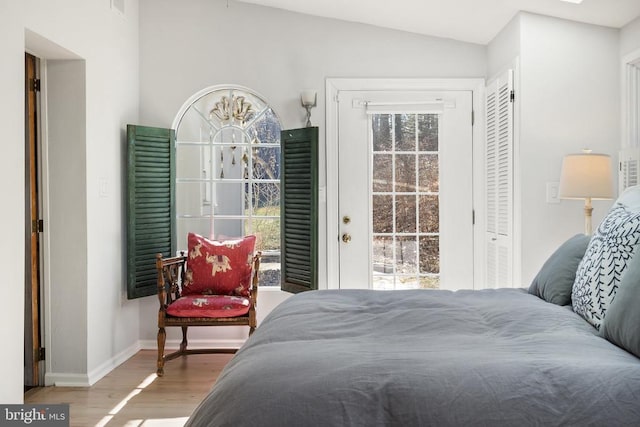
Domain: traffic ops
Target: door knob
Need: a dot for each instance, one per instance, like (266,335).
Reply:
(346,237)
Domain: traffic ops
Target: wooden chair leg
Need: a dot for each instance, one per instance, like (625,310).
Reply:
(183,344)
(162,337)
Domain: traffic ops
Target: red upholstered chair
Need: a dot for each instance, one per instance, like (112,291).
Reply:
(214,284)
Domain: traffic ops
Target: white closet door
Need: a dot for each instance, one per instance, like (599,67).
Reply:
(629,168)
(499,181)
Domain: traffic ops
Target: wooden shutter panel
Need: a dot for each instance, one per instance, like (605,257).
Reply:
(299,210)
(150,208)
(499,181)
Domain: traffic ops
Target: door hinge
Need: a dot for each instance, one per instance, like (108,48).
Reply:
(35,85)
(473,216)
(37,226)
(512,96)
(40,354)
(473,117)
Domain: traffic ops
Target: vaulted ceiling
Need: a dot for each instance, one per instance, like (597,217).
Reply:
(474,21)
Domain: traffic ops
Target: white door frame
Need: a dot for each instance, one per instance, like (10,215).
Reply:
(630,82)
(332,87)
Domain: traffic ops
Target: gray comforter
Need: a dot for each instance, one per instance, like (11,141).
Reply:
(424,358)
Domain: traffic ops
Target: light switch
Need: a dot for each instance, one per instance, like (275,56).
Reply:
(102,188)
(552,192)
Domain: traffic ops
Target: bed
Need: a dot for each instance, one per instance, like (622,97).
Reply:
(563,352)
(419,358)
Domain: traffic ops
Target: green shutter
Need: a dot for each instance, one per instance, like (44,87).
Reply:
(299,210)
(150,205)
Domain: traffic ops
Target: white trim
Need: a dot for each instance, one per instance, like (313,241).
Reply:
(62,379)
(332,88)
(517,193)
(630,99)
(109,365)
(66,380)
(46,218)
(183,109)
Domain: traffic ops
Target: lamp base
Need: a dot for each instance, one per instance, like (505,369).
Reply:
(588,209)
(308,108)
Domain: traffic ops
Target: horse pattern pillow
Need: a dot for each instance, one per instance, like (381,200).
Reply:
(600,271)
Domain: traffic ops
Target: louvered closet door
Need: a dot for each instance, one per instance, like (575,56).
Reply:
(499,182)
(629,171)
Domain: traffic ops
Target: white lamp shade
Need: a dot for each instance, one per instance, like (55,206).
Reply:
(586,175)
(308,97)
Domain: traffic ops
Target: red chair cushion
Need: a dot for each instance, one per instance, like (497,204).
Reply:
(219,267)
(209,306)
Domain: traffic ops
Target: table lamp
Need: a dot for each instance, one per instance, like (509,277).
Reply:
(586,176)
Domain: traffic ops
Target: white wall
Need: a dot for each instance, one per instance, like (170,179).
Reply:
(189,45)
(12,220)
(96,327)
(629,54)
(570,80)
(568,100)
(504,48)
(630,37)
(67,219)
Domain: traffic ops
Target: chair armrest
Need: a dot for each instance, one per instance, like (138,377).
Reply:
(254,279)
(170,275)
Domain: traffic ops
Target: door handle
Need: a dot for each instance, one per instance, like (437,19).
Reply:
(346,237)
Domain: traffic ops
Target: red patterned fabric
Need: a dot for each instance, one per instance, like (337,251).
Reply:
(209,306)
(219,267)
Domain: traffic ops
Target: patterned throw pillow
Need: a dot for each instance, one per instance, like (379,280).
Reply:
(604,263)
(219,267)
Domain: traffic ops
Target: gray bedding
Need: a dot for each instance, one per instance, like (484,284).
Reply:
(424,358)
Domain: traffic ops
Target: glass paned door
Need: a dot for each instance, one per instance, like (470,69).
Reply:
(405,201)
(405,190)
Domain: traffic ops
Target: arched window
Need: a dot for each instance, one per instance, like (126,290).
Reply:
(228,171)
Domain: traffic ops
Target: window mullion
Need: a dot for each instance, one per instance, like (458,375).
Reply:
(393,201)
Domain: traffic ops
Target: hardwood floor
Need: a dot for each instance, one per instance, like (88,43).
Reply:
(132,395)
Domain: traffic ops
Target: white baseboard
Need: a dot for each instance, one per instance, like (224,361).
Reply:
(61,379)
(87,380)
(66,380)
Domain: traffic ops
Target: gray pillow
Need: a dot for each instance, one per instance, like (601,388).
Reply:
(554,280)
(621,324)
